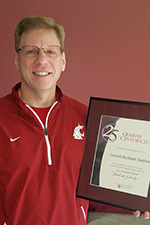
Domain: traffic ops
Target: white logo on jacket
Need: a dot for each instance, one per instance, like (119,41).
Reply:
(14,139)
(77,132)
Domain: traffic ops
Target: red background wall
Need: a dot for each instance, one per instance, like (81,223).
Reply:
(107,46)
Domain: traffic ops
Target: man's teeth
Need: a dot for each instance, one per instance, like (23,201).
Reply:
(41,73)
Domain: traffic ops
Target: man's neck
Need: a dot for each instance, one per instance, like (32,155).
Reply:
(39,99)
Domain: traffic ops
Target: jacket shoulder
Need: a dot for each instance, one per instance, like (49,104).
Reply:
(74,104)
(6,103)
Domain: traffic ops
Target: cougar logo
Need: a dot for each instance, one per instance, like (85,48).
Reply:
(77,132)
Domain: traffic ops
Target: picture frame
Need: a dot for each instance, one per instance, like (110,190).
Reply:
(116,163)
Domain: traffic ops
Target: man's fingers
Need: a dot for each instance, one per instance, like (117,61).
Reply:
(146,215)
(137,213)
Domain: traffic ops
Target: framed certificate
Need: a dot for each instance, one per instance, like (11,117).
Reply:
(116,163)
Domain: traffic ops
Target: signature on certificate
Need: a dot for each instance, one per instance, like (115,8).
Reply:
(124,176)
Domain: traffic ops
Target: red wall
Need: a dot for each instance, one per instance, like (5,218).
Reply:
(107,46)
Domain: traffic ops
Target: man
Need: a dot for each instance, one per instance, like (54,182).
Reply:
(42,134)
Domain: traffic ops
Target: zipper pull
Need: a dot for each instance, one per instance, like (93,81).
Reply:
(45,130)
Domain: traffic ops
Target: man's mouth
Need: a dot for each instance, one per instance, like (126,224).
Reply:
(41,73)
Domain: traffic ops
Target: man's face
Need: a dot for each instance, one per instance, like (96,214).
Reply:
(39,73)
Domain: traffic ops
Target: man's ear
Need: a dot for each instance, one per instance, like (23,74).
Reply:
(16,61)
(63,61)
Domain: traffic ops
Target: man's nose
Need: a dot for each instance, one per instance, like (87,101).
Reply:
(41,57)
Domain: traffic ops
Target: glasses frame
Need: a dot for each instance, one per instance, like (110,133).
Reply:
(39,49)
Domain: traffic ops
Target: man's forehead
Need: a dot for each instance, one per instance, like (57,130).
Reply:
(38,34)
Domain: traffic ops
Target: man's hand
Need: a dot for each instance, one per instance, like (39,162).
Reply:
(146,214)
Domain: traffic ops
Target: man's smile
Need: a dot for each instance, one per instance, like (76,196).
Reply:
(41,73)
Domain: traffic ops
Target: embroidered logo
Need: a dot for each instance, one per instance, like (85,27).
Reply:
(14,139)
(77,132)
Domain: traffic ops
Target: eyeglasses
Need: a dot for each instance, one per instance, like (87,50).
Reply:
(31,51)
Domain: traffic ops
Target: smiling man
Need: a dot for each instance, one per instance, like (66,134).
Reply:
(40,60)
(40,157)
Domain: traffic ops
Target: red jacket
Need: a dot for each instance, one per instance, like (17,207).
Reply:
(39,164)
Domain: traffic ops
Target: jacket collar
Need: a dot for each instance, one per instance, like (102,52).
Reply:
(23,110)
(59,94)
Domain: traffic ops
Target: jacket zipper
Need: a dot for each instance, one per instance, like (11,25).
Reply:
(45,130)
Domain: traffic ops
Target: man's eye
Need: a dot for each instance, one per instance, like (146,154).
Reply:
(30,52)
(50,52)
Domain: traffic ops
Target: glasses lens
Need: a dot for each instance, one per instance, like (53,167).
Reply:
(52,51)
(29,51)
